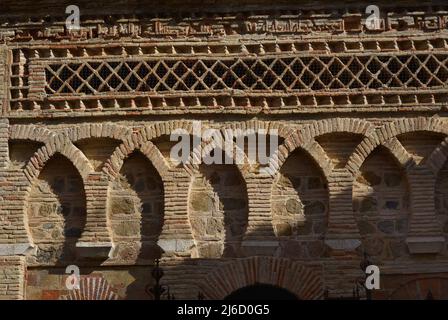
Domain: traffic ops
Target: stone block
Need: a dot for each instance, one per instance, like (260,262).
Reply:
(94,250)
(425,245)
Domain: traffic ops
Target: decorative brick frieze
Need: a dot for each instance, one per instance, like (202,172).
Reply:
(243,73)
(292,20)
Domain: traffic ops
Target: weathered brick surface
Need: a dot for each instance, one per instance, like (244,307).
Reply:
(86,177)
(12,278)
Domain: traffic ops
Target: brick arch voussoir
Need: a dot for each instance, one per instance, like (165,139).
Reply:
(38,161)
(438,157)
(407,125)
(31,133)
(418,289)
(194,162)
(389,131)
(64,147)
(159,129)
(98,130)
(304,138)
(303,281)
(318,128)
(311,147)
(148,134)
(113,165)
(282,130)
(340,125)
(399,152)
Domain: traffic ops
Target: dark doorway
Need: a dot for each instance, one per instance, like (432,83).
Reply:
(261,291)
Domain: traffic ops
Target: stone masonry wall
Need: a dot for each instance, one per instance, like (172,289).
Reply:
(56,211)
(218,211)
(381,206)
(135,210)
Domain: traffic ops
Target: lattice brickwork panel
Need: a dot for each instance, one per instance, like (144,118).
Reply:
(307,73)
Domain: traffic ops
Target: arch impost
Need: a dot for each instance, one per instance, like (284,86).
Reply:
(94,250)
(260,247)
(15,249)
(170,245)
(342,243)
(425,244)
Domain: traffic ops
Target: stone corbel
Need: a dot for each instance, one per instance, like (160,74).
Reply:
(343,244)
(94,250)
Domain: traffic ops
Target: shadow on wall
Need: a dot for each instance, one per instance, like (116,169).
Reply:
(57,212)
(136,214)
(381,207)
(260,291)
(218,210)
(300,206)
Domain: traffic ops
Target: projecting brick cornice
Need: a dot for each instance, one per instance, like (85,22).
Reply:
(290,60)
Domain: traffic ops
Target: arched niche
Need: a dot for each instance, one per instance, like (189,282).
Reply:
(136,210)
(381,206)
(300,207)
(97,150)
(218,211)
(56,211)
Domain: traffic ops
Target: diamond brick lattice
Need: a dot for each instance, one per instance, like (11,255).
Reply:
(310,73)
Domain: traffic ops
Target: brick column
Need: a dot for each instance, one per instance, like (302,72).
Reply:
(95,241)
(14,237)
(176,236)
(425,234)
(342,232)
(341,274)
(3,82)
(4,137)
(13,183)
(12,278)
(259,237)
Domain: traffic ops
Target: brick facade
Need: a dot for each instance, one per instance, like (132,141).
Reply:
(86,178)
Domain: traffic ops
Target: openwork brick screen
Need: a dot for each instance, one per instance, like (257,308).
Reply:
(285,73)
(262,74)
